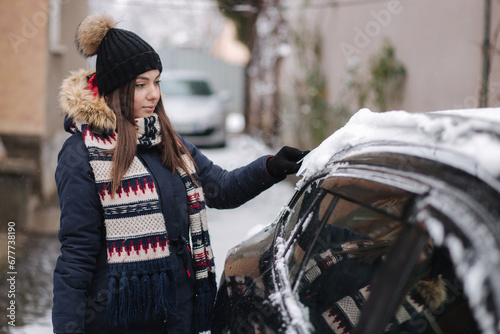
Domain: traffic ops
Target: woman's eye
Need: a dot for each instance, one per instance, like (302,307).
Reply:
(139,85)
(157,82)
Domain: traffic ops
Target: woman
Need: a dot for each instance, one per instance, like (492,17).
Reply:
(135,250)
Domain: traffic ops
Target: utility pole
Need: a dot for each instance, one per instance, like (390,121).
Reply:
(483,101)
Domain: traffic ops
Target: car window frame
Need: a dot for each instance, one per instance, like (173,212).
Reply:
(284,218)
(322,178)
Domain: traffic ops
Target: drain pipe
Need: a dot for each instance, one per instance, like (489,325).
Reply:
(483,102)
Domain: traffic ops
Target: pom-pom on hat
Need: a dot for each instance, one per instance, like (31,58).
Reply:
(121,54)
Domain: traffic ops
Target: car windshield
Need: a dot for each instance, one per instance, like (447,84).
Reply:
(185,87)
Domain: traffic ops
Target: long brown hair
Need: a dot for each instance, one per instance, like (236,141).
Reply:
(121,100)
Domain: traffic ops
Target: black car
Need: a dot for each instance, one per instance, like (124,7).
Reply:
(394,228)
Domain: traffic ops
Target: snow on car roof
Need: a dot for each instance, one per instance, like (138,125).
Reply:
(473,133)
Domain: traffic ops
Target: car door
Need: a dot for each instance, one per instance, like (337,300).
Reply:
(325,230)
(359,257)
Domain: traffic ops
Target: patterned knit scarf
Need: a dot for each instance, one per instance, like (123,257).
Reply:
(141,283)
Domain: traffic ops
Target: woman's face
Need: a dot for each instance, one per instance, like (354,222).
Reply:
(147,93)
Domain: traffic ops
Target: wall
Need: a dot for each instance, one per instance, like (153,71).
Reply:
(439,42)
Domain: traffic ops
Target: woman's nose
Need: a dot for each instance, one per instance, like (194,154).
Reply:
(154,93)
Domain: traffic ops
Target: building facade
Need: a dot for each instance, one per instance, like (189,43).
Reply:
(439,44)
(37,53)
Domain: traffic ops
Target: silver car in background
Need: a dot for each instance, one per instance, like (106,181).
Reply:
(196,111)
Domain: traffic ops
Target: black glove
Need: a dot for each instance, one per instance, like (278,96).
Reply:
(285,162)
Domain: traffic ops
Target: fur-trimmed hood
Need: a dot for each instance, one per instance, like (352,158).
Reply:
(79,104)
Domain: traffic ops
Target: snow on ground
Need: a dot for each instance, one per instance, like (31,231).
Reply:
(40,326)
(230,227)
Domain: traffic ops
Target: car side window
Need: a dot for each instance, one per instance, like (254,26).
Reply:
(342,262)
(342,241)
(335,260)
(340,219)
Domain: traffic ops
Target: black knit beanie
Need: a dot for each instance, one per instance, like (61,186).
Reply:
(121,54)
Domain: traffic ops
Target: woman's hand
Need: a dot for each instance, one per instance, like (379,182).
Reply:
(286,161)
